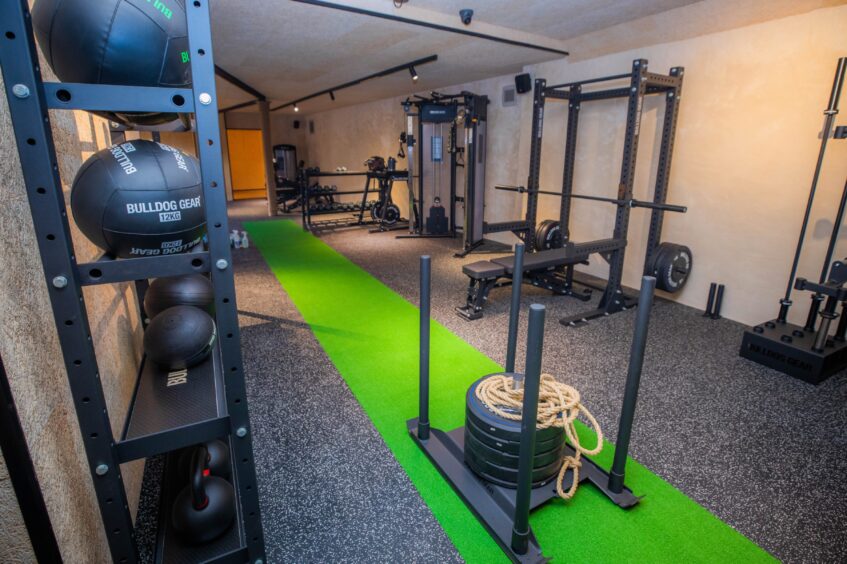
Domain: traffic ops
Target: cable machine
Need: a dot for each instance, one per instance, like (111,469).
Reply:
(445,141)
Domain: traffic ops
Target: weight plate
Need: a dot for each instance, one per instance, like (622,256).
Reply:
(508,477)
(512,447)
(376,210)
(505,459)
(672,266)
(392,214)
(501,428)
(541,234)
(549,235)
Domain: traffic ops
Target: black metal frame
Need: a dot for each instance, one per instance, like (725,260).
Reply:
(561,278)
(504,512)
(29,100)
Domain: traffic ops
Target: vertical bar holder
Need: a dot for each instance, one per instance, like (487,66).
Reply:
(226,311)
(532,383)
(716,311)
(830,112)
(423,404)
(710,301)
(633,381)
(514,310)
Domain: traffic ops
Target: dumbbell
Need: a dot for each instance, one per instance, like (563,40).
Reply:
(205,508)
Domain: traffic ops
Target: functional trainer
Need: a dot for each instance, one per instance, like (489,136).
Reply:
(809,352)
(502,497)
(440,159)
(552,257)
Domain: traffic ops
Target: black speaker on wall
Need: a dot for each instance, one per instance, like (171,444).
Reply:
(296,124)
(523,83)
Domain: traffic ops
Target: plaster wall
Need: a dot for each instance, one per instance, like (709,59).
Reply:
(746,145)
(31,353)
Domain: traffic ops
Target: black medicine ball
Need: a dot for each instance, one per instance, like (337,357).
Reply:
(191,290)
(140,198)
(179,337)
(126,42)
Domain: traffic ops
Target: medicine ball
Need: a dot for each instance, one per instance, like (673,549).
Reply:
(191,290)
(126,42)
(179,337)
(140,198)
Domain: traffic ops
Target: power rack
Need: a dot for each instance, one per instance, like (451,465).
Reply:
(212,403)
(552,267)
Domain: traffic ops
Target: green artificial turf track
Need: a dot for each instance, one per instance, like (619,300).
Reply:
(371,335)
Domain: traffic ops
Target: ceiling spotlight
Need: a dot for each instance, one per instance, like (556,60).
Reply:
(296,108)
(332,95)
(414,74)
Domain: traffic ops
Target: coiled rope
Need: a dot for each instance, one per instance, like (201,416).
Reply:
(558,406)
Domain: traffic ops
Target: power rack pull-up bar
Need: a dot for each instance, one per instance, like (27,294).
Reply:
(632,203)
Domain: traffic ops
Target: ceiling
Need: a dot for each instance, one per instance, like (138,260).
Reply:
(563,19)
(287,49)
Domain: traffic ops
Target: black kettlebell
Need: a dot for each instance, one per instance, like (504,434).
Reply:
(217,460)
(205,508)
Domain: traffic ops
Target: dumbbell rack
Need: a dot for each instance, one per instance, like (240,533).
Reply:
(161,418)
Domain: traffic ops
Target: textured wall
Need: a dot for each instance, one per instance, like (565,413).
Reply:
(15,547)
(30,348)
(747,140)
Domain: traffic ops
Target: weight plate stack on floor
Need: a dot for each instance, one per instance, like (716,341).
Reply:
(492,444)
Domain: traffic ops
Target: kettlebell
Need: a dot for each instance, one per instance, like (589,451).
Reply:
(205,508)
(217,460)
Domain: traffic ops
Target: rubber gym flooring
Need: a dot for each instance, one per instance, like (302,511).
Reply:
(763,453)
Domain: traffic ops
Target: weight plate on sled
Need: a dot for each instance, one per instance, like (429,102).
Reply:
(507,460)
(508,477)
(512,447)
(495,425)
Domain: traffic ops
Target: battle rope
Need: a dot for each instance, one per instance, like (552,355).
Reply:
(558,406)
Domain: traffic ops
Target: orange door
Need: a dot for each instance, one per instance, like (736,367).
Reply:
(246,163)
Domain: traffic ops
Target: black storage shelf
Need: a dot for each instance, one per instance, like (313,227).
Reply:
(109,270)
(115,98)
(201,404)
(170,549)
(173,410)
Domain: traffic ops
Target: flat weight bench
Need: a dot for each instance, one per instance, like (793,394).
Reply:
(539,268)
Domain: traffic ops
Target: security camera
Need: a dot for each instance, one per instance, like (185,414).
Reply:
(466,15)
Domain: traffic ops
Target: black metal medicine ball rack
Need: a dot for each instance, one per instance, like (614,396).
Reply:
(169,410)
